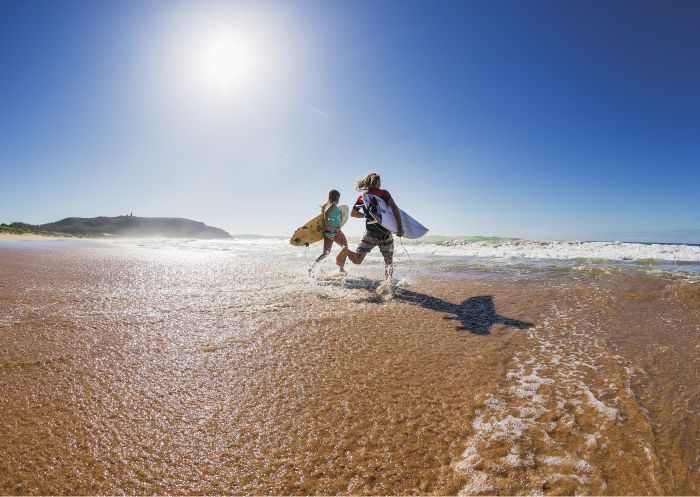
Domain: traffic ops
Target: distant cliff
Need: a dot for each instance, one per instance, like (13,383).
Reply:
(130,226)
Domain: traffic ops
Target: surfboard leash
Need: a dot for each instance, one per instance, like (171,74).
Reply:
(410,261)
(306,249)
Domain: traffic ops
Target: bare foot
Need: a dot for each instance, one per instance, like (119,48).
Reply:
(387,287)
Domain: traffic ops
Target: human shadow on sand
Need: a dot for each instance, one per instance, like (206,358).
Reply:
(476,314)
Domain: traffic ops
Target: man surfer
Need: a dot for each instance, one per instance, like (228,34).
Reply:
(375,235)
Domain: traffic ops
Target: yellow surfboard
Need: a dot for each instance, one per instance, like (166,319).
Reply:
(312,231)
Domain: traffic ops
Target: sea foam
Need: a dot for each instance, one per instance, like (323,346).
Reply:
(565,250)
(505,249)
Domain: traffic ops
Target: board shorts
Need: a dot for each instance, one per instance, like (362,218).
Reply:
(385,244)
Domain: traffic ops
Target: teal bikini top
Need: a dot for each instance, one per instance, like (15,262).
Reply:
(334,218)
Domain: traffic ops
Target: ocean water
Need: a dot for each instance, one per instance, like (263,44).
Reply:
(477,252)
(223,366)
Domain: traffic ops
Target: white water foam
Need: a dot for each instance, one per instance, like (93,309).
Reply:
(510,249)
(546,425)
(526,249)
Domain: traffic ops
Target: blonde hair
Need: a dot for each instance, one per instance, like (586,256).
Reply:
(333,197)
(371,180)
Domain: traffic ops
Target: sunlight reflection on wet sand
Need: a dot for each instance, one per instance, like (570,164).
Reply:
(135,370)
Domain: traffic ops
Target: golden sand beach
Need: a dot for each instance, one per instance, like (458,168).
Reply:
(27,237)
(131,369)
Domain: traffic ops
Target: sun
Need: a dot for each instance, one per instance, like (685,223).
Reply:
(222,60)
(228,62)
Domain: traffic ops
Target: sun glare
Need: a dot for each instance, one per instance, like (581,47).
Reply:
(221,60)
(228,62)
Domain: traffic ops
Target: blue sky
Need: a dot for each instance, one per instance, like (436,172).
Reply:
(559,120)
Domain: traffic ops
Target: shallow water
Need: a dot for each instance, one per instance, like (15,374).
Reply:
(143,367)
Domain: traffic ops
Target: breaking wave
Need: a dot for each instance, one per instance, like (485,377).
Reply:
(675,257)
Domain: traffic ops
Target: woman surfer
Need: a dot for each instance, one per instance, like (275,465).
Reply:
(331,232)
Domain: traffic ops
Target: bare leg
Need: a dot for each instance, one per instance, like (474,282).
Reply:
(389,272)
(327,244)
(346,253)
(341,257)
(340,239)
(388,254)
(343,242)
(356,257)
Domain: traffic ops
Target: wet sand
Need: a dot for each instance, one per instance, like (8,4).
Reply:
(141,371)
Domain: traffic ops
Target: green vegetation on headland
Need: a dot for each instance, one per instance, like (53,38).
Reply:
(125,226)
(26,229)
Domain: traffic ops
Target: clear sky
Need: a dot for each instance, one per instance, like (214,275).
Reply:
(535,119)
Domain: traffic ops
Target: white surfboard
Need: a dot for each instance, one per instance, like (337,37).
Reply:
(384,216)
